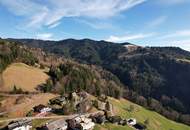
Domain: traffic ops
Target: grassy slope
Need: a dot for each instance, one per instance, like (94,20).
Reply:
(23,76)
(24,103)
(156,121)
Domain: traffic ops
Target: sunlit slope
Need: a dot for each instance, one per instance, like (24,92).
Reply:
(156,121)
(22,76)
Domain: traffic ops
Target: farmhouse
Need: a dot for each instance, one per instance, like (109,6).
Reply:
(131,121)
(61,100)
(98,118)
(81,123)
(42,109)
(139,127)
(84,106)
(60,124)
(87,124)
(20,125)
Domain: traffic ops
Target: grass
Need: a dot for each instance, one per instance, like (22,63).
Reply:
(39,123)
(156,121)
(23,76)
(25,104)
(109,126)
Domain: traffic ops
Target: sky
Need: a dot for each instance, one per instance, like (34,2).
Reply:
(141,22)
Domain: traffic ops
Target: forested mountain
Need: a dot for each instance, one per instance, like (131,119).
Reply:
(11,52)
(160,74)
(65,75)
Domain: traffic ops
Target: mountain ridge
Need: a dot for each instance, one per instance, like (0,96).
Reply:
(159,74)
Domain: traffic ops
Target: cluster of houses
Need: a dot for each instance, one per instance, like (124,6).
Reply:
(20,125)
(80,102)
(78,123)
(82,121)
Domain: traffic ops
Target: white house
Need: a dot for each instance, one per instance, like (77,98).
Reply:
(131,121)
(20,125)
(84,122)
(46,109)
(87,124)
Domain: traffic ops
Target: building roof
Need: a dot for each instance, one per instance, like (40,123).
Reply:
(39,108)
(19,123)
(61,123)
(87,126)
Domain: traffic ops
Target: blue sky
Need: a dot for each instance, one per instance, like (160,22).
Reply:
(142,22)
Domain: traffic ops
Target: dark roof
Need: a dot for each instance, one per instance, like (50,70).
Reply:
(19,123)
(42,128)
(39,108)
(139,127)
(130,120)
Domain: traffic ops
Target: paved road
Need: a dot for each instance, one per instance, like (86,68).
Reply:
(48,117)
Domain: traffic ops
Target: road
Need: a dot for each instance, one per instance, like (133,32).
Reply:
(48,117)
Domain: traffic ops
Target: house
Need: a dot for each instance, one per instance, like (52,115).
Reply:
(61,100)
(109,109)
(139,126)
(84,106)
(87,124)
(123,122)
(20,125)
(104,105)
(131,121)
(98,118)
(38,108)
(71,123)
(42,109)
(81,123)
(100,105)
(75,98)
(60,124)
(115,119)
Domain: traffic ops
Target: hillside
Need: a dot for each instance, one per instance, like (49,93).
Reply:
(19,105)
(22,76)
(67,76)
(72,76)
(121,108)
(155,121)
(160,74)
(64,75)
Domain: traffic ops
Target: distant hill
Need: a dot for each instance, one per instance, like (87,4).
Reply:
(160,74)
(63,75)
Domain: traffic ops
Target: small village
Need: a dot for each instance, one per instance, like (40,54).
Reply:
(79,115)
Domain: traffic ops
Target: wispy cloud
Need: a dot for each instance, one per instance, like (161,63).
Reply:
(177,34)
(51,12)
(45,36)
(157,21)
(129,37)
(54,25)
(179,38)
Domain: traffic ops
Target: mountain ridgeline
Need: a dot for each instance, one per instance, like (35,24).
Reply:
(65,75)
(157,77)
